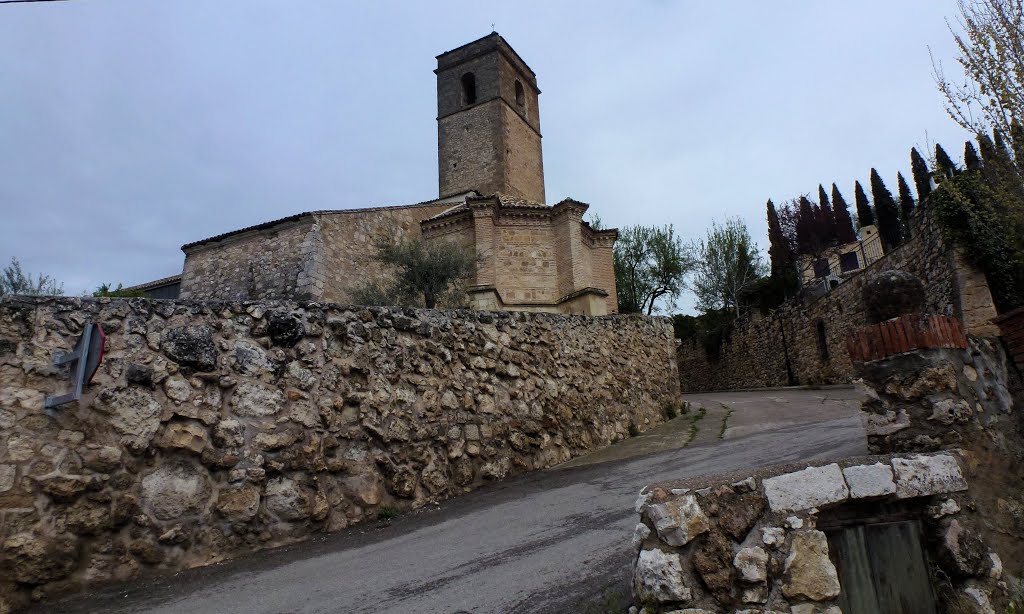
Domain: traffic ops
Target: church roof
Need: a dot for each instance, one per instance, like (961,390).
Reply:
(299,216)
(505,201)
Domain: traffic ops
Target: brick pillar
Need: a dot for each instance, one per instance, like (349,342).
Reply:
(483,223)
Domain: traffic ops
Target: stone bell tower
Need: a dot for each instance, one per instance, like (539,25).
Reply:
(488,122)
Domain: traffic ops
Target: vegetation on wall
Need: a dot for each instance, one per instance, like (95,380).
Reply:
(420,274)
(120,291)
(981,207)
(14,280)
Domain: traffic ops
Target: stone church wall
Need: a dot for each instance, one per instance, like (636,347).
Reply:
(319,256)
(217,428)
(256,265)
(787,347)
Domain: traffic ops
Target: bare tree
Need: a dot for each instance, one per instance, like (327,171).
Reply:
(727,264)
(990,37)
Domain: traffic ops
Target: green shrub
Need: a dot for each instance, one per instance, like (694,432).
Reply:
(387,512)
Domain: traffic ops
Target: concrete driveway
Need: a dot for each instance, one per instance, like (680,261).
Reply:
(552,541)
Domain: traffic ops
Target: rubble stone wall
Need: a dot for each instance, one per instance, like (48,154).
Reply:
(764,543)
(804,341)
(212,429)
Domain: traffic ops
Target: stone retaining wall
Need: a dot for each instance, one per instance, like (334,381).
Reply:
(212,429)
(762,543)
(804,341)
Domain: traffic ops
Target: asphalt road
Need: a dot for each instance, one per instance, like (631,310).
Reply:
(552,541)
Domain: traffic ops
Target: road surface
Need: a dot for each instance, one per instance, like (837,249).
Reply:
(551,541)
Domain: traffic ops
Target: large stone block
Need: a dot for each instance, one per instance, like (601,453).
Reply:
(808,572)
(867,481)
(678,521)
(659,578)
(921,476)
(811,487)
(175,490)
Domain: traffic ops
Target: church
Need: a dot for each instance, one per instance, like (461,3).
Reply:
(532,256)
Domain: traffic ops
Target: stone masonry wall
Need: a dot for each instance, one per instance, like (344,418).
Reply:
(784,348)
(317,257)
(217,428)
(259,265)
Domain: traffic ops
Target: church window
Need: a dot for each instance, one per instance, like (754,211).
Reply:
(469,88)
(520,95)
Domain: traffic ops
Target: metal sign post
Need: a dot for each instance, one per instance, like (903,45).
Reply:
(84,360)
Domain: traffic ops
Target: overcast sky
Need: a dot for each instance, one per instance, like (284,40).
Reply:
(131,127)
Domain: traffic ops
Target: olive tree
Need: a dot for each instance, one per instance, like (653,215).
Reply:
(14,280)
(417,273)
(651,264)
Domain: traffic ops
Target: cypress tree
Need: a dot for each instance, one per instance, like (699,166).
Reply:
(778,250)
(890,228)
(906,203)
(1017,142)
(988,148)
(828,218)
(922,176)
(805,227)
(971,160)
(865,216)
(844,224)
(944,165)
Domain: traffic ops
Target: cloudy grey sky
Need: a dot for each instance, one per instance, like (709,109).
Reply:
(130,127)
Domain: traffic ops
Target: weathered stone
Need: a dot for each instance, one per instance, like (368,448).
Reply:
(755,594)
(883,425)
(228,433)
(135,414)
(678,521)
(66,488)
(185,436)
(289,499)
(35,559)
(751,565)
(403,483)
(285,329)
(252,360)
(739,513)
(811,487)
(239,504)
(640,533)
(274,441)
(963,550)
(140,375)
(87,518)
(773,537)
(867,481)
(175,490)
(103,459)
(434,479)
(921,476)
(366,488)
(7,477)
(257,400)
(712,558)
(190,346)
(808,572)
(659,578)
(978,600)
(891,294)
(177,389)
